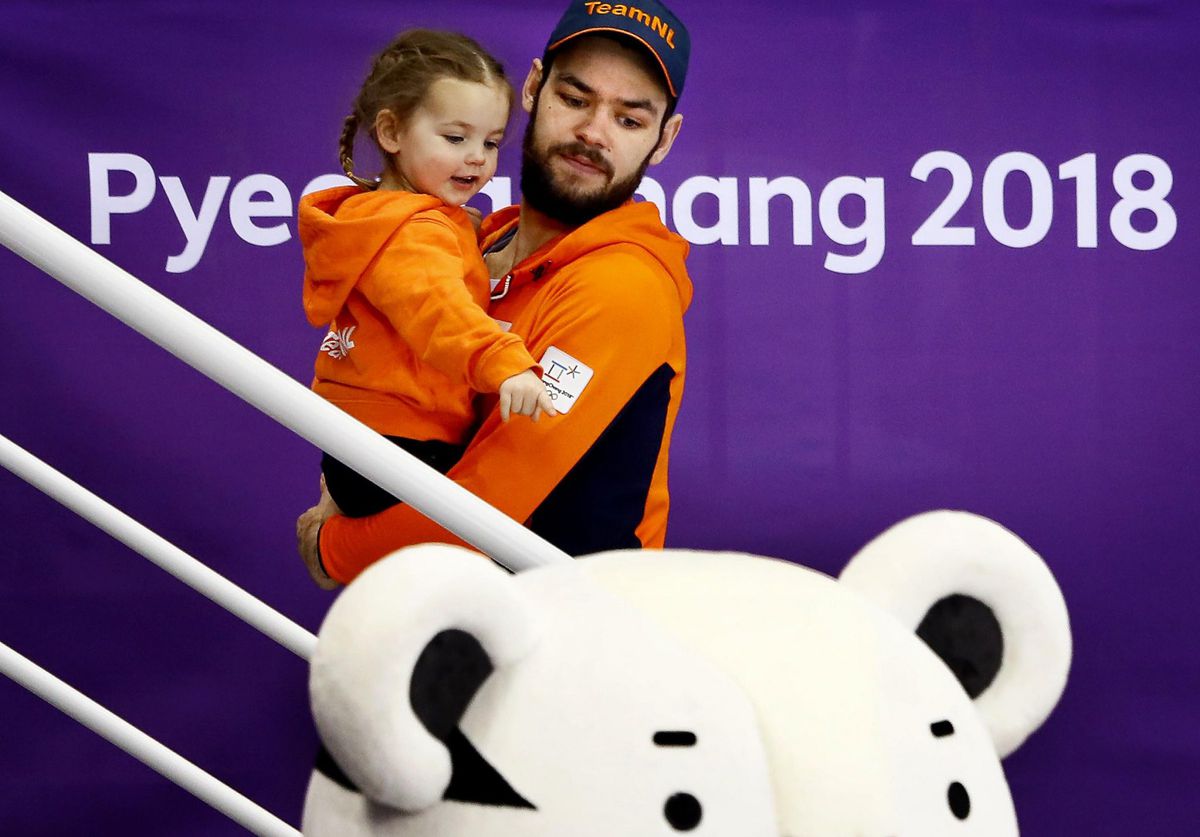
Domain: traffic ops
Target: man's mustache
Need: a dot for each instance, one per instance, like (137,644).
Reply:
(578,149)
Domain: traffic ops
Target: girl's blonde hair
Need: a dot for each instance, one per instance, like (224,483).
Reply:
(401,76)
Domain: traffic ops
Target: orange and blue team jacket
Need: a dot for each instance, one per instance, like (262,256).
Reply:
(399,280)
(608,296)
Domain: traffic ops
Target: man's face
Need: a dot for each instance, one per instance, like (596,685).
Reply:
(594,128)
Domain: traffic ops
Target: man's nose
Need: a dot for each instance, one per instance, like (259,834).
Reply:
(592,130)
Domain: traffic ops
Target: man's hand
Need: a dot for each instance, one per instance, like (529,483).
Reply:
(308,531)
(524,394)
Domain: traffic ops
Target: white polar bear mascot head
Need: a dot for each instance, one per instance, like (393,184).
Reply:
(657,694)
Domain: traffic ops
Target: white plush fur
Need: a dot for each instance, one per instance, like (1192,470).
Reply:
(570,723)
(369,644)
(928,557)
(845,697)
(812,706)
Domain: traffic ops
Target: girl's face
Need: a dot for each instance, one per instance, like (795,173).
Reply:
(448,147)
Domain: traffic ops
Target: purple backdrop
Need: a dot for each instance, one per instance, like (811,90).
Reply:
(1044,375)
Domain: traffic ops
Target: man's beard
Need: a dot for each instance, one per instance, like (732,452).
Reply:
(540,190)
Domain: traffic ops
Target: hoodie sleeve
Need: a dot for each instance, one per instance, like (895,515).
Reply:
(417,282)
(622,330)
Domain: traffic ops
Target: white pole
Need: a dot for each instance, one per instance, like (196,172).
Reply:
(257,382)
(141,746)
(162,552)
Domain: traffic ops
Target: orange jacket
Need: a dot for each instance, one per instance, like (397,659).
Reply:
(609,295)
(399,281)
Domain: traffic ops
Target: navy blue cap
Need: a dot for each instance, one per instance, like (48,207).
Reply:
(648,22)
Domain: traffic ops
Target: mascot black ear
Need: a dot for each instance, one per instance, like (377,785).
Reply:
(399,657)
(985,603)
(965,634)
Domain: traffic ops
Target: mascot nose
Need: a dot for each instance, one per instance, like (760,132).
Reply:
(683,811)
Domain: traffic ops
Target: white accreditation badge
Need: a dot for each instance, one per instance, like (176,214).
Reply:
(564,377)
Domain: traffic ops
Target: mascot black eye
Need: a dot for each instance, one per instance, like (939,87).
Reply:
(959,799)
(682,811)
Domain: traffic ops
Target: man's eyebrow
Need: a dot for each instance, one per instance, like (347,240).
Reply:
(640,104)
(628,104)
(575,82)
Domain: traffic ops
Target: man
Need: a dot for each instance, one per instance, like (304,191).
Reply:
(595,285)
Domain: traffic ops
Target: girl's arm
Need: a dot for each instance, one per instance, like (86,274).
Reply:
(623,337)
(418,285)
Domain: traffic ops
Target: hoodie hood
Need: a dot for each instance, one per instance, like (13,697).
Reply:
(636,224)
(342,230)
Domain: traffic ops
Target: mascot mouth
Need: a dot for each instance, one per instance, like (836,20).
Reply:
(473,780)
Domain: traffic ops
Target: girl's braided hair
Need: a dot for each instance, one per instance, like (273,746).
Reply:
(401,76)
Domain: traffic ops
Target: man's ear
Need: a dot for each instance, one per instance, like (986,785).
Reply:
(669,132)
(387,131)
(532,82)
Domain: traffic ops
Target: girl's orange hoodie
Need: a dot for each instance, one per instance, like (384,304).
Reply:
(398,279)
(611,295)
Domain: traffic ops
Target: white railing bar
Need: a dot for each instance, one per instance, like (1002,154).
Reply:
(162,552)
(254,380)
(141,746)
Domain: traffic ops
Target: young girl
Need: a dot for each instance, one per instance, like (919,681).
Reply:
(392,266)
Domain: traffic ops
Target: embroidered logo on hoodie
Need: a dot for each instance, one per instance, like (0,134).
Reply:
(337,344)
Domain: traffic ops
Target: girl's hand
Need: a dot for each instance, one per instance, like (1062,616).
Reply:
(524,394)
